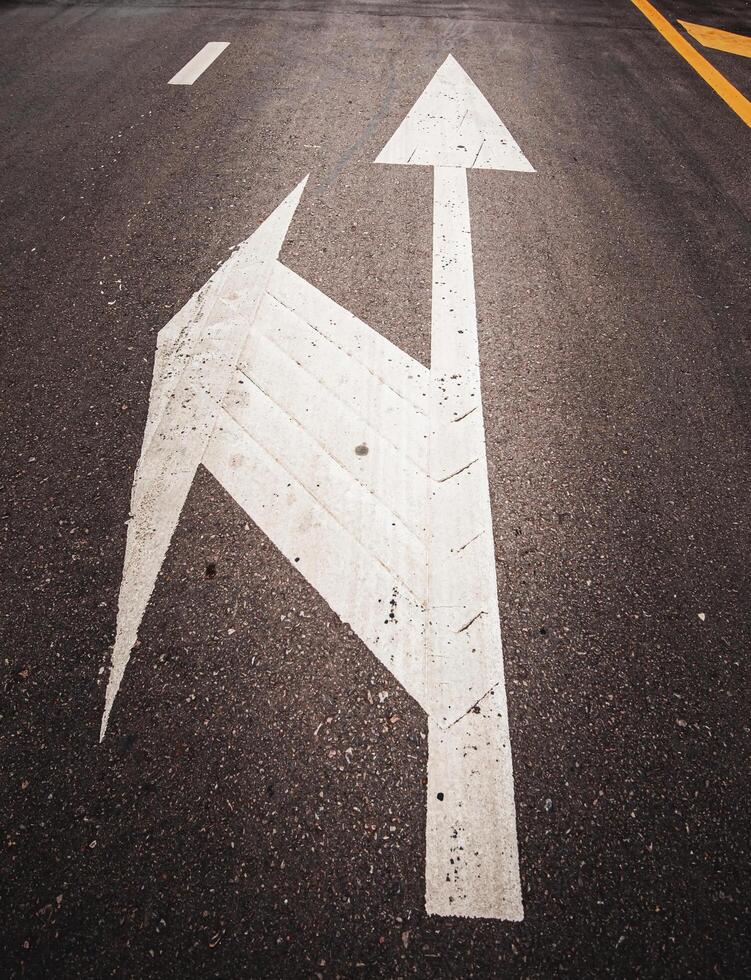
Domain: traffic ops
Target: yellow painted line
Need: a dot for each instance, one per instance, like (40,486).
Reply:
(729,93)
(713,37)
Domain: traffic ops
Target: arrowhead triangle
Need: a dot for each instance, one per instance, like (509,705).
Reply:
(452,124)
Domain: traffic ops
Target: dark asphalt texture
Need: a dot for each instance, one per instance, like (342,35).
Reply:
(223,829)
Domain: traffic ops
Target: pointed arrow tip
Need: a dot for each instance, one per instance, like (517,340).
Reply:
(452,124)
(271,232)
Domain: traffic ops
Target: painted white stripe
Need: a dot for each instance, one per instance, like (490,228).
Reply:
(472,864)
(199,63)
(472,854)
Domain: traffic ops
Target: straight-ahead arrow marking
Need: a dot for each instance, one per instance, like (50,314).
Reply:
(472,865)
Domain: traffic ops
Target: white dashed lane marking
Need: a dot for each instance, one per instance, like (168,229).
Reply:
(199,63)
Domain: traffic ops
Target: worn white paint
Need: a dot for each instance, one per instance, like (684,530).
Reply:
(350,576)
(472,864)
(307,406)
(452,124)
(199,63)
(369,473)
(195,364)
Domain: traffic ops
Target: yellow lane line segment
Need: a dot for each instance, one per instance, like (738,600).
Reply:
(729,93)
(713,37)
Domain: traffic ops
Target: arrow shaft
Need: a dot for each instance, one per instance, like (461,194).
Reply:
(472,864)
(461,586)
(453,345)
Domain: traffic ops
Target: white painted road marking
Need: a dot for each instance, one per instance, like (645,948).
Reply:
(199,63)
(472,864)
(452,124)
(195,364)
(369,473)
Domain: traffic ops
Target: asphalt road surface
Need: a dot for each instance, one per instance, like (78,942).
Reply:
(257,806)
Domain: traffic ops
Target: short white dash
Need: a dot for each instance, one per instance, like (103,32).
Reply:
(199,63)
